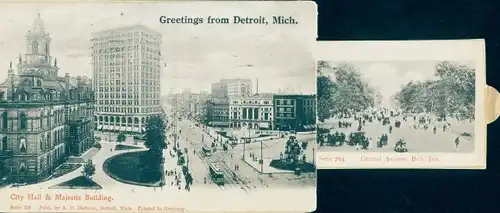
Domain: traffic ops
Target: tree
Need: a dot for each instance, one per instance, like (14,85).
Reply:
(155,141)
(341,87)
(121,138)
(452,92)
(325,89)
(88,169)
(155,134)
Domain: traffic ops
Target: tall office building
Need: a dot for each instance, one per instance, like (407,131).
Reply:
(126,67)
(232,88)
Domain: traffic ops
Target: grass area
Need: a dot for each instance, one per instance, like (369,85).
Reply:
(65,169)
(125,147)
(80,182)
(128,168)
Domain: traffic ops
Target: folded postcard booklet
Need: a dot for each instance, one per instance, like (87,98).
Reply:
(158,107)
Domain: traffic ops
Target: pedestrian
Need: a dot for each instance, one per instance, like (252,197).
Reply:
(457,143)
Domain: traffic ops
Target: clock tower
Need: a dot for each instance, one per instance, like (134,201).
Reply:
(37,63)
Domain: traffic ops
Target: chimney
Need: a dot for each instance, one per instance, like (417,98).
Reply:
(257,89)
(66,78)
(10,75)
(78,81)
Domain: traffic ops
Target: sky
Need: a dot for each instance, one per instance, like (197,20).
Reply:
(388,77)
(195,55)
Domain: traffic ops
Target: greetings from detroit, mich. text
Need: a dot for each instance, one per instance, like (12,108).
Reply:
(228,20)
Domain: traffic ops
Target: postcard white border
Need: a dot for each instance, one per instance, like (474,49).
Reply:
(168,200)
(471,50)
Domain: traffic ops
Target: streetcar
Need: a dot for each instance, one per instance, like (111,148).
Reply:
(216,174)
(206,150)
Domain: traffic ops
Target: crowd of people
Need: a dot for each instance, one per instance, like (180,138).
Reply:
(391,119)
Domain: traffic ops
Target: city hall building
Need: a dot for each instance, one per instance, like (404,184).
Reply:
(126,69)
(44,118)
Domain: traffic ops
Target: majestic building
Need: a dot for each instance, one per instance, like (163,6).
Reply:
(254,112)
(126,67)
(217,112)
(232,88)
(295,112)
(44,117)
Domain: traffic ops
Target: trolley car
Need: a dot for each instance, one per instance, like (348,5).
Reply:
(206,150)
(216,174)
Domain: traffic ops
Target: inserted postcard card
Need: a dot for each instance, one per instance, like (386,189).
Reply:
(401,104)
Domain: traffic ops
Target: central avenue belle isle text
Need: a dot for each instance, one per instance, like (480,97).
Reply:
(226,20)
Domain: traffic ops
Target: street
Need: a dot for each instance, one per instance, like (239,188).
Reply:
(418,140)
(247,178)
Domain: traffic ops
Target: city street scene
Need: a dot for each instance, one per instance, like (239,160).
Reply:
(398,106)
(119,105)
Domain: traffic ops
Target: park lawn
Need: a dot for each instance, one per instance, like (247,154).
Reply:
(80,182)
(128,168)
(125,147)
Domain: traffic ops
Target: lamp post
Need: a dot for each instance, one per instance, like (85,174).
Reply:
(261,158)
(314,156)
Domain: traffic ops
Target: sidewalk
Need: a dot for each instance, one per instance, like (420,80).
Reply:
(171,165)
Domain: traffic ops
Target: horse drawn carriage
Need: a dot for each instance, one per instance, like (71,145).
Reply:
(358,138)
(397,124)
(400,146)
(386,121)
(382,141)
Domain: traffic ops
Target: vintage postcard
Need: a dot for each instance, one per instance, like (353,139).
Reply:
(401,104)
(158,107)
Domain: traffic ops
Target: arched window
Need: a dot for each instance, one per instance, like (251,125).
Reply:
(22,145)
(24,121)
(22,167)
(4,143)
(41,145)
(39,83)
(5,120)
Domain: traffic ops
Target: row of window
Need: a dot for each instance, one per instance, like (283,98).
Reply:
(144,89)
(123,69)
(128,109)
(125,55)
(243,108)
(252,102)
(118,35)
(129,102)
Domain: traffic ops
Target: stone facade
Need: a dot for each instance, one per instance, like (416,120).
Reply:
(254,112)
(37,107)
(295,112)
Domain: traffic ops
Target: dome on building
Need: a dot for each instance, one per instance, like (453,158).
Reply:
(38,25)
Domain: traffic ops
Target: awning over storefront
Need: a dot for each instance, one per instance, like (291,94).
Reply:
(99,127)
(128,129)
(264,125)
(105,127)
(143,129)
(111,127)
(122,128)
(135,129)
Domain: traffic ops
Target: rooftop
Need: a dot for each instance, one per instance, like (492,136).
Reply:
(126,28)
